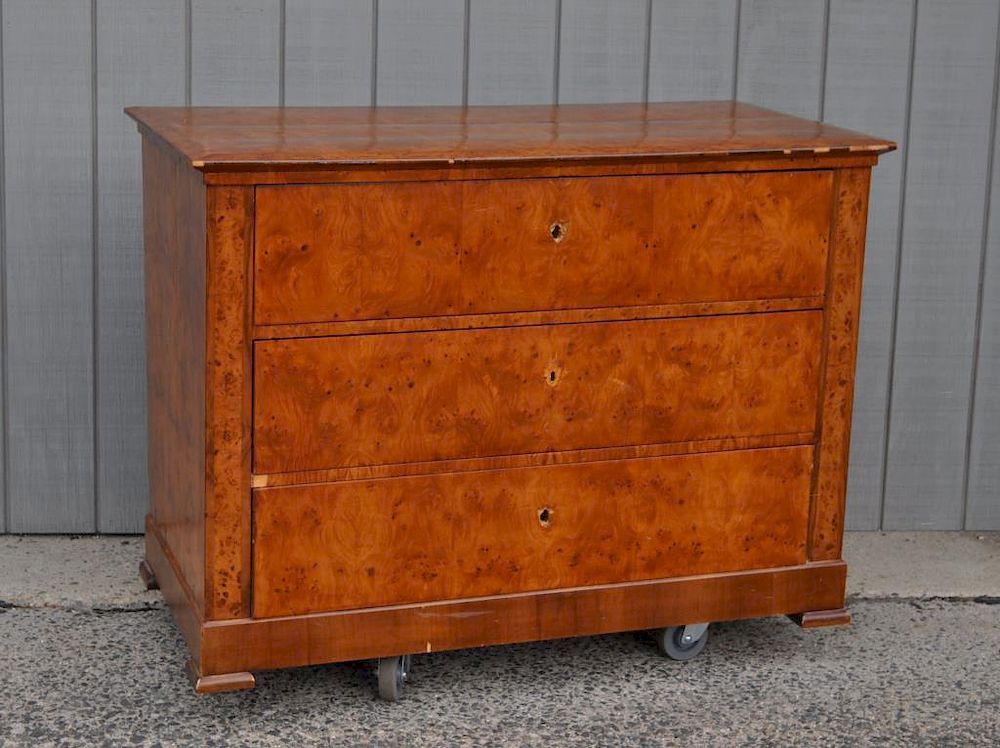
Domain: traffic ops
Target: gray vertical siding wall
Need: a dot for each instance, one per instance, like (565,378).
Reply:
(924,72)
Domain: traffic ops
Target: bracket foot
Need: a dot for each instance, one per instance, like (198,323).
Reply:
(147,575)
(815,619)
(218,683)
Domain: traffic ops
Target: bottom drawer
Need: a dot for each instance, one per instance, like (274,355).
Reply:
(358,544)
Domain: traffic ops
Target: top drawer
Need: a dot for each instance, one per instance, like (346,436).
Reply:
(410,249)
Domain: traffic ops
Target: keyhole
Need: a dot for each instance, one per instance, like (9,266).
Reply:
(545,516)
(552,376)
(557,231)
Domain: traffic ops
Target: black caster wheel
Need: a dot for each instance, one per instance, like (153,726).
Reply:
(682,642)
(392,674)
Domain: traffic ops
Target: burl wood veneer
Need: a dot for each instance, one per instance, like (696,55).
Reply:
(429,378)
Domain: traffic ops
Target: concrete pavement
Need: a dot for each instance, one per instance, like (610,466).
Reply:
(87,657)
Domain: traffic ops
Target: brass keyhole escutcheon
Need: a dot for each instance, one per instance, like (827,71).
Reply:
(557,231)
(545,516)
(553,373)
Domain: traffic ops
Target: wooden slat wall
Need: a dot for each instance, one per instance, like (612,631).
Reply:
(512,48)
(781,55)
(983,506)
(954,83)
(4,508)
(923,72)
(692,50)
(603,51)
(329,59)
(48,266)
(866,36)
(420,57)
(236,52)
(140,59)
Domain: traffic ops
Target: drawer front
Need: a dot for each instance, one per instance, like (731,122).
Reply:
(337,546)
(410,397)
(375,251)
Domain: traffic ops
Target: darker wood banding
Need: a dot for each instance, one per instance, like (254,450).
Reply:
(541,317)
(533,459)
(218,683)
(820,618)
(394,630)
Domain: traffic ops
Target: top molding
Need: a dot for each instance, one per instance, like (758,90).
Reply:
(249,139)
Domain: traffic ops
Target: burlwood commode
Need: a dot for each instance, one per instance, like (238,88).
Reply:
(429,378)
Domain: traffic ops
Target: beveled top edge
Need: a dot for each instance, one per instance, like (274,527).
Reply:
(257,138)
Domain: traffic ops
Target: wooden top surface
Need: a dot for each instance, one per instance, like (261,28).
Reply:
(252,139)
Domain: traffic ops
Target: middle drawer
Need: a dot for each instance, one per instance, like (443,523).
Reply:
(411,397)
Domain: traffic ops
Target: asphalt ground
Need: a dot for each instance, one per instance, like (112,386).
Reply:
(101,663)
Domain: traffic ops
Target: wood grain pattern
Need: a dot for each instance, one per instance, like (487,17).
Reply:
(867,71)
(420,453)
(821,618)
(293,138)
(531,459)
(541,317)
(405,250)
(174,220)
(338,402)
(383,632)
(218,683)
(227,404)
(296,174)
(140,59)
(840,334)
(184,604)
(348,545)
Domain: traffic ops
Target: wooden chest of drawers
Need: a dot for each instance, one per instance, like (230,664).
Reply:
(429,378)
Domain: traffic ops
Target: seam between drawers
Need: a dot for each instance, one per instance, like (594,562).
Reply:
(492,320)
(569,457)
